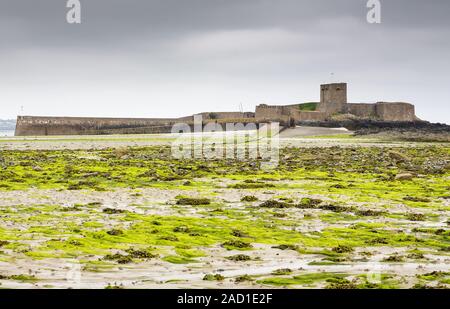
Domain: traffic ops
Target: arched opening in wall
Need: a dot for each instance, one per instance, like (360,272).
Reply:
(292,123)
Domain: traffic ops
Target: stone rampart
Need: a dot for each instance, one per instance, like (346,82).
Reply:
(363,110)
(33,126)
(395,111)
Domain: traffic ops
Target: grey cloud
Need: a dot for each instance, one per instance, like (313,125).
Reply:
(43,22)
(215,54)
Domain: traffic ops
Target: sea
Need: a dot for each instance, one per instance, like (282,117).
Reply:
(4,133)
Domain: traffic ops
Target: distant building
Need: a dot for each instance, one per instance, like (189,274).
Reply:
(333,101)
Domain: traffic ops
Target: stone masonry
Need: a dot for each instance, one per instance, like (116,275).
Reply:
(333,101)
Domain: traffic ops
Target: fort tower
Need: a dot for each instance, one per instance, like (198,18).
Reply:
(333,98)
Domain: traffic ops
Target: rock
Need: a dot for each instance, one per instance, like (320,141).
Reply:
(404,176)
(397,156)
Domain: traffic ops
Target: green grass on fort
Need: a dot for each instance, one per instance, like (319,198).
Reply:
(308,107)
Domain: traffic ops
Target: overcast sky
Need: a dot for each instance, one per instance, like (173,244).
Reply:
(168,58)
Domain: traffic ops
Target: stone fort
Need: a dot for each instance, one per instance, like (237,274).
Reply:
(333,102)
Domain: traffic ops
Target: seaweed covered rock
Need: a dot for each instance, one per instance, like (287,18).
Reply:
(193,201)
(275,204)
